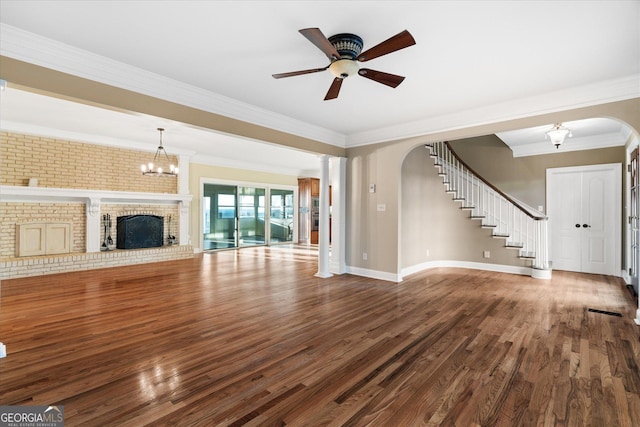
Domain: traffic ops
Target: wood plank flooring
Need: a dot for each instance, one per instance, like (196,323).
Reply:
(253,338)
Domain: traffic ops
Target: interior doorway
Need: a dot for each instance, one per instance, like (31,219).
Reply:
(584,209)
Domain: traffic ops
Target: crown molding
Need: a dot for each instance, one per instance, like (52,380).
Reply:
(32,48)
(567,99)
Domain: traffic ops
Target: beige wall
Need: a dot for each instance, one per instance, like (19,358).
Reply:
(433,222)
(525,177)
(379,233)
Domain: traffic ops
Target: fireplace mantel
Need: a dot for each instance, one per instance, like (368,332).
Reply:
(93,199)
(10,193)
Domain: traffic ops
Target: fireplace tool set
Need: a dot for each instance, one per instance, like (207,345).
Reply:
(171,240)
(107,243)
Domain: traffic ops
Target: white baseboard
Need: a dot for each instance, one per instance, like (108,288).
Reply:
(525,271)
(374,274)
(383,275)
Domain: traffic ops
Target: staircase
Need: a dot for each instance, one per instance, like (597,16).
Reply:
(522,227)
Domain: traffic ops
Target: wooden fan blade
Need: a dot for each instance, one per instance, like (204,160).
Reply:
(381,77)
(298,73)
(315,36)
(397,42)
(334,90)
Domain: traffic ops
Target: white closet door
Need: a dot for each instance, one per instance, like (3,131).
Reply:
(584,218)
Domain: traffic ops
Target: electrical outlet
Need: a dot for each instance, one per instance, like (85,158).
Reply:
(427,252)
(364,256)
(486,254)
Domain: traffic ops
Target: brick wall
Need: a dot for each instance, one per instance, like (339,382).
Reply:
(37,266)
(12,213)
(75,165)
(65,164)
(164,211)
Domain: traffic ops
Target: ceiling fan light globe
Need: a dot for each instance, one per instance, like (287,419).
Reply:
(344,68)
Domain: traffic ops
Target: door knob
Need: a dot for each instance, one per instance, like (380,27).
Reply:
(586,226)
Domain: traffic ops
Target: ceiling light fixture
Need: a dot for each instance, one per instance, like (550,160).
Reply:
(148,169)
(557,134)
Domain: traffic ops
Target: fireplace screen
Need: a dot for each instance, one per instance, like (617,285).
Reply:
(140,231)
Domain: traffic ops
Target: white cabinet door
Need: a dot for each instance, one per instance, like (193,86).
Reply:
(584,218)
(31,239)
(43,239)
(58,239)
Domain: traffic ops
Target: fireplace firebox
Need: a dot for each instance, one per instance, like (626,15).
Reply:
(140,231)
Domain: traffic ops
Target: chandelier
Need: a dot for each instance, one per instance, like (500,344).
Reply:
(148,169)
(557,134)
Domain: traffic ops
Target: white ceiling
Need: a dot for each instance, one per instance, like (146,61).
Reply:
(474,62)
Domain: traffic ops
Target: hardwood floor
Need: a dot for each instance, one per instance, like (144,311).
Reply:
(253,338)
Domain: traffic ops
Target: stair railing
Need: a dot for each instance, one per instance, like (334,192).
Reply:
(523,227)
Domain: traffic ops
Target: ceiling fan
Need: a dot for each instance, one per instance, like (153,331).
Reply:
(344,52)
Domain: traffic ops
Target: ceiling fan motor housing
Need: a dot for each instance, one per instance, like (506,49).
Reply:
(349,47)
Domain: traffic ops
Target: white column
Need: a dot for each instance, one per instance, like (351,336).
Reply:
(337,264)
(184,237)
(323,227)
(92,232)
(184,207)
